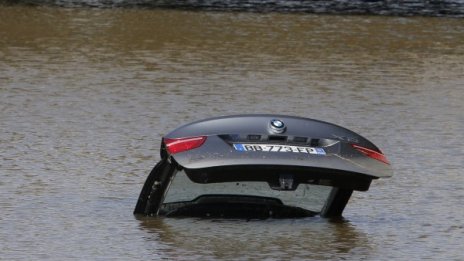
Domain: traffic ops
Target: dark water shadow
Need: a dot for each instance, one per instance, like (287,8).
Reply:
(447,8)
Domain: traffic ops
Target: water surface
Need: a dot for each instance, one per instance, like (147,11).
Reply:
(86,94)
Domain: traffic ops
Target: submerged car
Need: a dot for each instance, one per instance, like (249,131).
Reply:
(259,166)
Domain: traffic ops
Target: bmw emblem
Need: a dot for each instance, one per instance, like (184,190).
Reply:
(277,126)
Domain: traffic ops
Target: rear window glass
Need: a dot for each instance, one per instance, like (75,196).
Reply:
(310,197)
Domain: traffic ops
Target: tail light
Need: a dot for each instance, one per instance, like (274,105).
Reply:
(174,146)
(371,153)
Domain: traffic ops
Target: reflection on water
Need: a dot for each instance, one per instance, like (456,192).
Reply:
(86,94)
(313,238)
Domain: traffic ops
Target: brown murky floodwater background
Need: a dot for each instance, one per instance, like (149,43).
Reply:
(85,95)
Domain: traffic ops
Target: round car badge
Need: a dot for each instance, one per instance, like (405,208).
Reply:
(277,126)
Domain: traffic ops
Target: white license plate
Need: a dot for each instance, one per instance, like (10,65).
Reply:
(278,148)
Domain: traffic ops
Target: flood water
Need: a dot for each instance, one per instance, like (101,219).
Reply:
(86,94)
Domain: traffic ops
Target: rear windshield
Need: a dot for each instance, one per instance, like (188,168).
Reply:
(305,196)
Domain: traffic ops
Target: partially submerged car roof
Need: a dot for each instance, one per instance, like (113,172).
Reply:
(262,147)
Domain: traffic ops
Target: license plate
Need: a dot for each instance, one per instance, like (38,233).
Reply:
(278,148)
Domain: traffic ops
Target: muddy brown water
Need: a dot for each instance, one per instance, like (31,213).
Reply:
(86,94)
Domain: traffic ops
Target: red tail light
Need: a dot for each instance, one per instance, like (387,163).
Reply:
(174,146)
(371,153)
